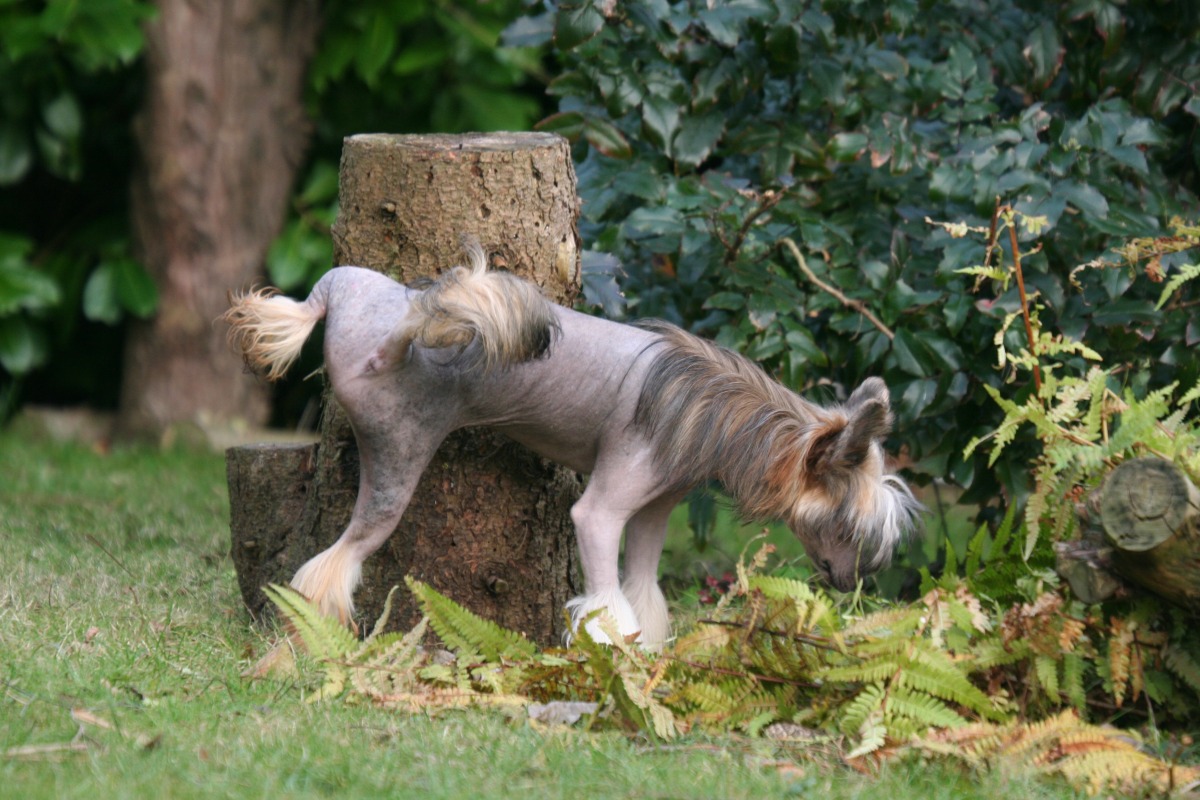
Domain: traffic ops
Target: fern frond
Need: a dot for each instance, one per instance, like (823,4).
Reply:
(1182,665)
(704,697)
(933,672)
(1072,680)
(1120,656)
(1046,670)
(1029,742)
(928,711)
(324,637)
(994,652)
(854,713)
(630,687)
(779,588)
(872,736)
(866,672)
(1186,273)
(391,664)
(968,614)
(462,631)
(384,615)
(705,640)
(889,622)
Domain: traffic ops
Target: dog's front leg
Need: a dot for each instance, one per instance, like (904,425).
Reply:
(598,532)
(645,534)
(618,489)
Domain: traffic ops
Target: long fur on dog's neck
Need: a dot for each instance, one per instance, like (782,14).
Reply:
(714,414)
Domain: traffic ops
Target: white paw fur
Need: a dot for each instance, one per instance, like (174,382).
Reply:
(618,609)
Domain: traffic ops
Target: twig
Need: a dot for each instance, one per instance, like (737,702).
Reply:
(991,240)
(113,558)
(1016,257)
(53,750)
(768,201)
(815,641)
(742,673)
(993,230)
(849,302)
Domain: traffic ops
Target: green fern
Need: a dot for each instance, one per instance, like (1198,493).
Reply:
(926,710)
(1046,670)
(866,702)
(324,637)
(1183,666)
(1073,667)
(1187,272)
(462,631)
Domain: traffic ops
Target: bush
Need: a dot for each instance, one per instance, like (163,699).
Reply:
(708,134)
(68,86)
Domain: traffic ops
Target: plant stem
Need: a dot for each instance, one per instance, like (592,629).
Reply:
(1016,257)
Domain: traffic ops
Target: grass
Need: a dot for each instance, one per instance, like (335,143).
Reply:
(122,639)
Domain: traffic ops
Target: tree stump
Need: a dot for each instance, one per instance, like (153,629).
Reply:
(1145,523)
(489,524)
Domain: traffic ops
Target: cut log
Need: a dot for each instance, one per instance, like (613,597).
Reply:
(489,525)
(270,483)
(1148,512)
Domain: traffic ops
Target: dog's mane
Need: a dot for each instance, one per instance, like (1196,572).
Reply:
(713,413)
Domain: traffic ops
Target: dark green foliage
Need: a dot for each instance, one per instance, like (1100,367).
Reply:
(708,132)
(68,87)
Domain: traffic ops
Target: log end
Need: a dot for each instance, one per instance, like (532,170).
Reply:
(1143,502)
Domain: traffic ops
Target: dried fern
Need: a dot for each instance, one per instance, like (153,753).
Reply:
(1096,757)
(782,651)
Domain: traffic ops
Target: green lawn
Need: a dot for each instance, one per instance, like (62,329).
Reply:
(122,637)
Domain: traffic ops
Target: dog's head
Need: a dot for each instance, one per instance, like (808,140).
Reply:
(851,515)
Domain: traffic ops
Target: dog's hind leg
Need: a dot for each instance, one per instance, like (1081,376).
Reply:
(391,463)
(645,534)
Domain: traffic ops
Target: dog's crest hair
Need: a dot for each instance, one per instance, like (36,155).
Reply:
(509,317)
(715,414)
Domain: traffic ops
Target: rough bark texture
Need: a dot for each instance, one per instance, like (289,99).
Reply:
(221,136)
(271,484)
(1144,525)
(489,524)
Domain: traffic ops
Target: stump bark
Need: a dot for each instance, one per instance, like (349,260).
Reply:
(1145,527)
(489,524)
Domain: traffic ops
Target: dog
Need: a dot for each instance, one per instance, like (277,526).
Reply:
(649,410)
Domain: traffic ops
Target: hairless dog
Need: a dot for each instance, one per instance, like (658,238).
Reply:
(648,410)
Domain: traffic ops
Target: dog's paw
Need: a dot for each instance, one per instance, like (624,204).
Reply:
(612,605)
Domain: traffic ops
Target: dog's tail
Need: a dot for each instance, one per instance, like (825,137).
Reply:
(509,317)
(270,329)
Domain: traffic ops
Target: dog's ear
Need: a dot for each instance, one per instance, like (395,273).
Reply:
(868,419)
(871,389)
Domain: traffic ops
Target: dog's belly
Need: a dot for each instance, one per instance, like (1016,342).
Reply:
(572,452)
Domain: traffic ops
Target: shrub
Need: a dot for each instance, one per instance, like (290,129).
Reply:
(707,134)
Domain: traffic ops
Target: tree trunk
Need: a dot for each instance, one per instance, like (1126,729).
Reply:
(1145,523)
(221,137)
(489,524)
